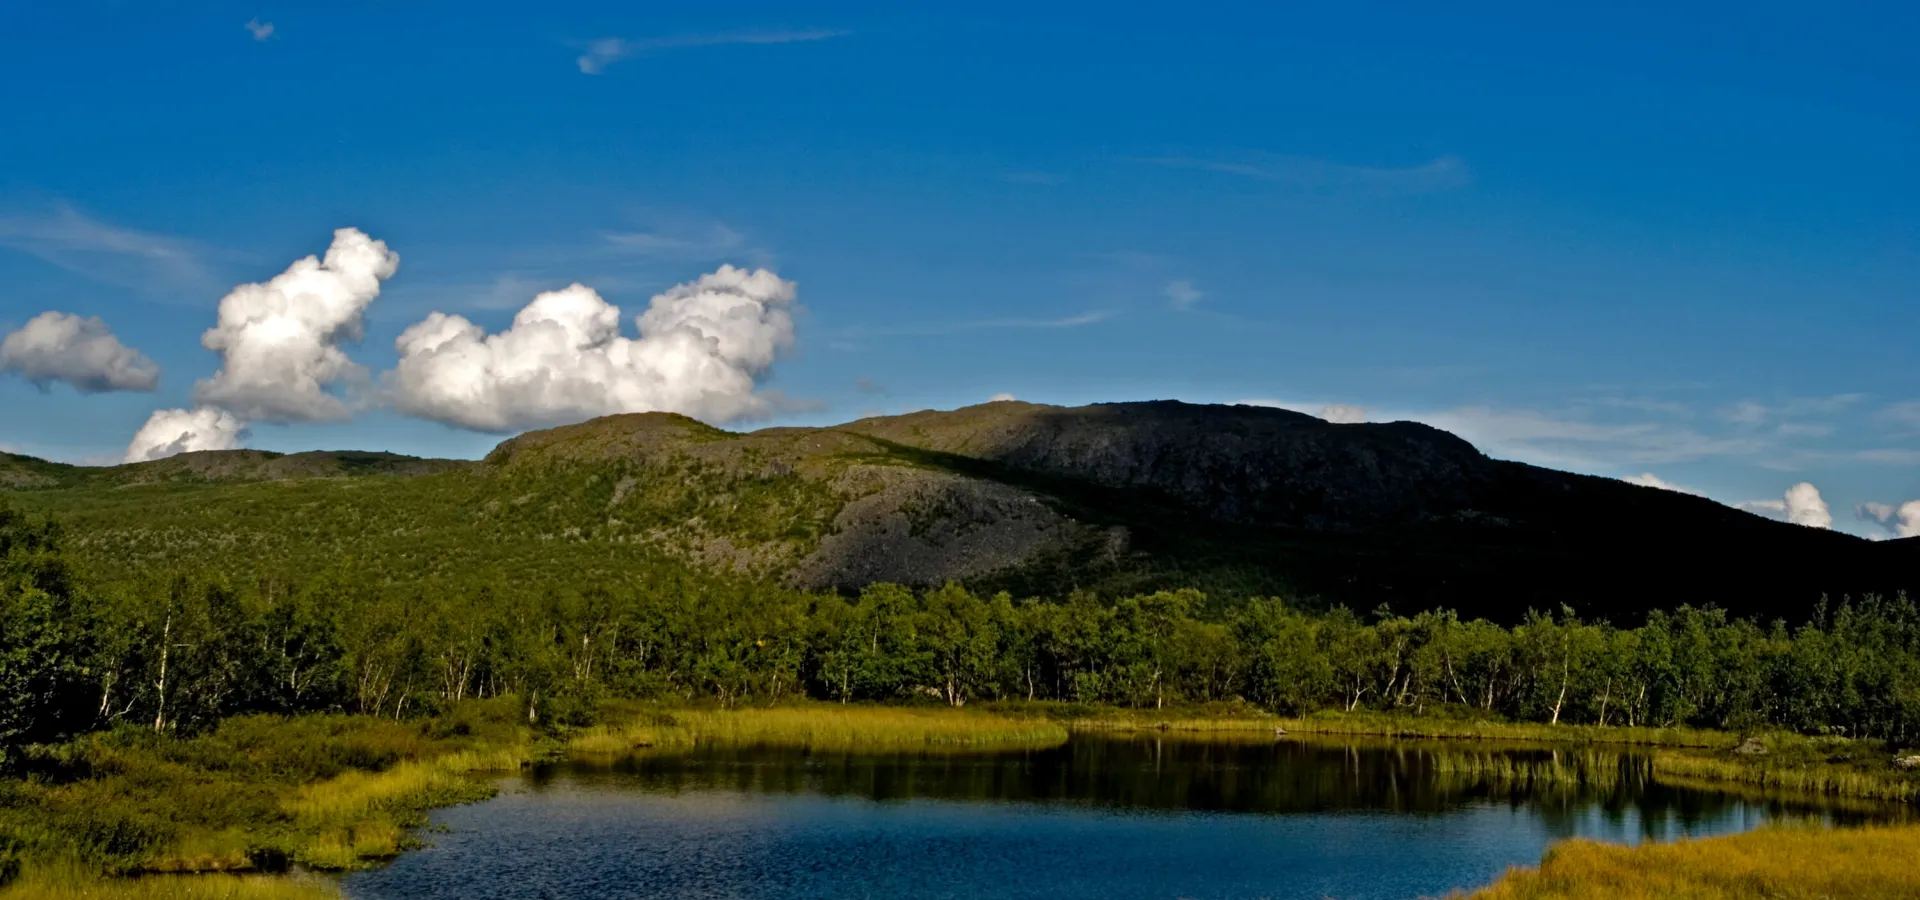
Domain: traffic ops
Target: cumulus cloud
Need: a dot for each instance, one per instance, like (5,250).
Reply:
(279,341)
(82,352)
(173,431)
(1903,520)
(1002,397)
(1805,507)
(1182,294)
(702,346)
(1802,505)
(1648,479)
(261,30)
(1342,414)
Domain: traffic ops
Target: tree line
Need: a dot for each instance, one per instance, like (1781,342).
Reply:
(178,652)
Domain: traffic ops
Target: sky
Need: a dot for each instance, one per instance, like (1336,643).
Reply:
(1673,243)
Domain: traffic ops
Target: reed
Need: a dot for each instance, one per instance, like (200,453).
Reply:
(831,727)
(1801,776)
(1458,729)
(1785,861)
(360,817)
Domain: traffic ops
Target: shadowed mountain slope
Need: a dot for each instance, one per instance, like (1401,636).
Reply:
(1235,500)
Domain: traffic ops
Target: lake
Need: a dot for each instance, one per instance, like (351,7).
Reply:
(1100,817)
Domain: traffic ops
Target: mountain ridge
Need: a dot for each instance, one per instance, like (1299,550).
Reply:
(1237,500)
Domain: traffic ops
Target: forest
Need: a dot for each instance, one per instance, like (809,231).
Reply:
(179,651)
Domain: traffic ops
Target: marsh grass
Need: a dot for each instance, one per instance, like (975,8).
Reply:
(1781,861)
(820,727)
(260,792)
(1481,730)
(70,880)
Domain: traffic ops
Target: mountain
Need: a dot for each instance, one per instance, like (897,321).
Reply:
(1235,500)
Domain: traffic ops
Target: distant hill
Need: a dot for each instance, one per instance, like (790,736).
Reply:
(1235,500)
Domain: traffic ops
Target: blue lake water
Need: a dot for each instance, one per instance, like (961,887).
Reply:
(1098,818)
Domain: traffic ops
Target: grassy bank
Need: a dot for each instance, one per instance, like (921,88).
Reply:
(1783,862)
(823,726)
(1775,761)
(258,794)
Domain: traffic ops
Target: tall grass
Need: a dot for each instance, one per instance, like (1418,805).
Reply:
(1783,862)
(821,727)
(1479,730)
(73,881)
(1801,776)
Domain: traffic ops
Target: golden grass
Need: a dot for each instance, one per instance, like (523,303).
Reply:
(362,816)
(1451,729)
(1788,863)
(73,882)
(822,727)
(1800,776)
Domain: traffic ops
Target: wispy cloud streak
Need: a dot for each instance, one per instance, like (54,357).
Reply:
(605,52)
(81,244)
(1303,173)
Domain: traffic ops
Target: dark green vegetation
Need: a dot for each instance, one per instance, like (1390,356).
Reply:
(1040,501)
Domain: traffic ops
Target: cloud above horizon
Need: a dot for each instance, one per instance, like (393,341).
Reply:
(702,347)
(169,432)
(605,52)
(83,352)
(1902,520)
(260,30)
(1648,479)
(280,341)
(1801,505)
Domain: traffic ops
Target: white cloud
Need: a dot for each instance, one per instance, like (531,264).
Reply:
(279,341)
(1802,505)
(261,30)
(702,346)
(1648,479)
(1182,294)
(607,51)
(172,431)
(1772,509)
(82,352)
(1903,520)
(1002,397)
(1805,507)
(1342,414)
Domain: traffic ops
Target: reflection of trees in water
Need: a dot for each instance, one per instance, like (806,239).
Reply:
(1567,788)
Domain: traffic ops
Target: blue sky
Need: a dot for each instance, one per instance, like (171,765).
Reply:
(1623,239)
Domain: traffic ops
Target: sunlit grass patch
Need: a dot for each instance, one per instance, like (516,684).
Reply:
(1784,862)
(822,727)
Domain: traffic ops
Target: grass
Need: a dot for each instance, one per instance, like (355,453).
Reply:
(257,794)
(76,882)
(823,726)
(1778,862)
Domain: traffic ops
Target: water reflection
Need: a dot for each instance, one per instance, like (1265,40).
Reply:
(1567,788)
(1146,817)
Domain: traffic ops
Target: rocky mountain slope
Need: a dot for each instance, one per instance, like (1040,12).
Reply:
(1036,499)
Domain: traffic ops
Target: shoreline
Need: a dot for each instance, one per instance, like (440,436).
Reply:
(361,817)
